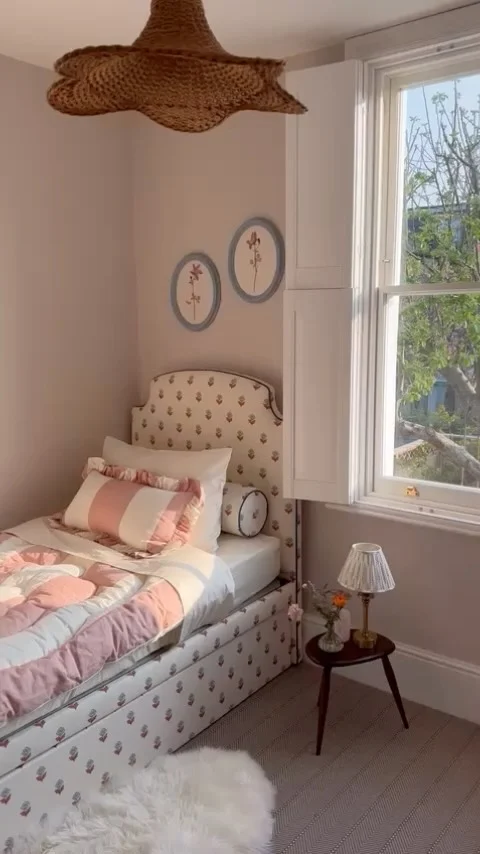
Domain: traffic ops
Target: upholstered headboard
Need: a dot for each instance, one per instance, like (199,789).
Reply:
(206,409)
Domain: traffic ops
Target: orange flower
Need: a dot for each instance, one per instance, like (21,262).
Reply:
(339,599)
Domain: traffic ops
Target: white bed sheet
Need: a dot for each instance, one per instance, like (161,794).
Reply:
(254,563)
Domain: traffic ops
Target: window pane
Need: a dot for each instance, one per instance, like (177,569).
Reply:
(440,214)
(434,418)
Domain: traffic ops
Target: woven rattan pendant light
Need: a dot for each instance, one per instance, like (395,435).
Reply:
(176,73)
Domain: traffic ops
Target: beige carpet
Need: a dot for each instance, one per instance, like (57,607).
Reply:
(376,788)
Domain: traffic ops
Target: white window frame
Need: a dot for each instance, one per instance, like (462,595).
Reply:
(437,504)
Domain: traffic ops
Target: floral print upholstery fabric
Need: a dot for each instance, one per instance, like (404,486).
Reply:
(194,410)
(154,708)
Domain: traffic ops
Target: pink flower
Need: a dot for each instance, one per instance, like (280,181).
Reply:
(196,272)
(295,613)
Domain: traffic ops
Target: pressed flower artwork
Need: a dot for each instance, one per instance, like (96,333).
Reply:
(195,291)
(253,244)
(256,260)
(195,272)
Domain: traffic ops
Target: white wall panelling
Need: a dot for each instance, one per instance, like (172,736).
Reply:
(317,391)
(321,176)
(324,184)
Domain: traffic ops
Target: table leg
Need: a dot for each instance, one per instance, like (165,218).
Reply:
(394,688)
(323,706)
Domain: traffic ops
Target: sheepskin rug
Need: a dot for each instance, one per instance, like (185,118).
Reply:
(200,802)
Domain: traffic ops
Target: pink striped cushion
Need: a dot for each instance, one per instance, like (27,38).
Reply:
(146,511)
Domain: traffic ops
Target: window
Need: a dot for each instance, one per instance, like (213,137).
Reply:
(382,301)
(424,327)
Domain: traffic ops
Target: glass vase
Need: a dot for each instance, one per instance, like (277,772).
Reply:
(330,642)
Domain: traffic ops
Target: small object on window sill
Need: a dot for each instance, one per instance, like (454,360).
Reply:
(412,492)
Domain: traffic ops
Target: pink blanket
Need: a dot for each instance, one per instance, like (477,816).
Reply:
(64,616)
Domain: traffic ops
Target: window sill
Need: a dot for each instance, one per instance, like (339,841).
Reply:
(459,523)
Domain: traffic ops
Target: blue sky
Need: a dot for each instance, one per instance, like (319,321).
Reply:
(419,102)
(469,88)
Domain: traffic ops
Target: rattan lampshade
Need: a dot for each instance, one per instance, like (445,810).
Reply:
(176,73)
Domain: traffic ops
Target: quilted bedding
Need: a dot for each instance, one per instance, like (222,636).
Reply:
(69,605)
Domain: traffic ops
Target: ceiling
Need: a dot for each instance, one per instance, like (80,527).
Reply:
(39,31)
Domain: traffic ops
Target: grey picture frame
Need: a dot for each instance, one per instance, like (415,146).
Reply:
(279,242)
(207,262)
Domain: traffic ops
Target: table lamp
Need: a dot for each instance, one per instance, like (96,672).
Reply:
(367,572)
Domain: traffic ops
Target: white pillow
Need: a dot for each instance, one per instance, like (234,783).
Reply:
(209,467)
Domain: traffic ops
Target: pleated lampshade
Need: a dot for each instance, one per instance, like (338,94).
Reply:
(366,570)
(176,73)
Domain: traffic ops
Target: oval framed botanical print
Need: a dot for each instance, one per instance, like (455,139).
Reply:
(256,259)
(195,291)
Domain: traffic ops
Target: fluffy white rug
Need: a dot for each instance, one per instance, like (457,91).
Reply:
(202,802)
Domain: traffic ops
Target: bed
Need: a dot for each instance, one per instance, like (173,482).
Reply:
(158,698)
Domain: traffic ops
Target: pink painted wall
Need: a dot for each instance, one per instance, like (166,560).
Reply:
(191,193)
(67,319)
(435,604)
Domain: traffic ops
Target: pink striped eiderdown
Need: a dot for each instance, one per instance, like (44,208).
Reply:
(74,599)
(63,618)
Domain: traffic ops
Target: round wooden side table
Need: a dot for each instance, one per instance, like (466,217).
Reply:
(351,654)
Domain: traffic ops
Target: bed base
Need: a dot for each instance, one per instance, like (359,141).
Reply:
(155,708)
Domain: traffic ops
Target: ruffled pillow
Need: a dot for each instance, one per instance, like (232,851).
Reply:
(209,467)
(149,512)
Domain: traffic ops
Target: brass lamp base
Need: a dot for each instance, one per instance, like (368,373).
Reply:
(363,637)
(365,640)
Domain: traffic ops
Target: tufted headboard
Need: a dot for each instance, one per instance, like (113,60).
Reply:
(195,410)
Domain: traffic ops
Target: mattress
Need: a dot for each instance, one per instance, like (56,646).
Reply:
(254,563)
